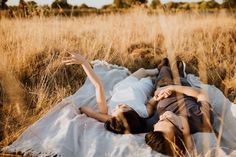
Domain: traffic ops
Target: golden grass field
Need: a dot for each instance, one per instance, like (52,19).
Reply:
(31,50)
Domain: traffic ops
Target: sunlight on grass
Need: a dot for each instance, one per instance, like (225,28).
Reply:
(33,79)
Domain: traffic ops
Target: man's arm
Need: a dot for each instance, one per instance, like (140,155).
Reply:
(197,93)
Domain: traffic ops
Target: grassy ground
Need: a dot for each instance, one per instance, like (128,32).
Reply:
(33,79)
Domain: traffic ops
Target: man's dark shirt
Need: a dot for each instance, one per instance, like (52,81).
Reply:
(187,106)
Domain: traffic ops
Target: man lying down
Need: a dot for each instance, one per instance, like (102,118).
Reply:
(182,109)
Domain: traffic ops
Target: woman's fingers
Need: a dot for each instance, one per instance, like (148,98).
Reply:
(73,59)
(72,53)
(69,62)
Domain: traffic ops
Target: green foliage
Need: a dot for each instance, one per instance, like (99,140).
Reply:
(131,2)
(3,4)
(209,4)
(213,4)
(171,5)
(61,4)
(83,6)
(155,4)
(229,4)
(193,5)
(127,3)
(185,6)
(32,3)
(108,6)
(22,4)
(118,3)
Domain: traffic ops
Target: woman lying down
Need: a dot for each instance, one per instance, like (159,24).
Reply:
(127,108)
(129,105)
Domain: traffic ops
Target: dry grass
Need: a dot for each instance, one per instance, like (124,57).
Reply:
(33,79)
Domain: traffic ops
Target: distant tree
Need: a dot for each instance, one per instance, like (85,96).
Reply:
(118,3)
(209,4)
(212,4)
(83,6)
(229,4)
(3,4)
(171,5)
(131,2)
(60,4)
(155,4)
(203,5)
(32,3)
(193,5)
(186,6)
(108,6)
(127,3)
(22,4)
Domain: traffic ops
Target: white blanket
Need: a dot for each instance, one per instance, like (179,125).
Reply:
(66,132)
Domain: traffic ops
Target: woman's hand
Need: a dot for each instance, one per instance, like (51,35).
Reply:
(93,114)
(75,58)
(86,110)
(162,93)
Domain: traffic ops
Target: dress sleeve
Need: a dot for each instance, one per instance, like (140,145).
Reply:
(146,85)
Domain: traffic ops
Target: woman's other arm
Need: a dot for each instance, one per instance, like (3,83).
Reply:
(93,114)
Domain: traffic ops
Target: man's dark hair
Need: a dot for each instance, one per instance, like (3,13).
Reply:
(158,142)
(135,123)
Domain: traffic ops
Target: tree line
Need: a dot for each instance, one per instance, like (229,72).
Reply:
(57,4)
(31,8)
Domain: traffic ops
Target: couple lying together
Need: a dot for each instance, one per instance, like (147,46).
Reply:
(182,109)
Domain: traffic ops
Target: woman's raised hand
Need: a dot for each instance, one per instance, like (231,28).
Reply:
(74,58)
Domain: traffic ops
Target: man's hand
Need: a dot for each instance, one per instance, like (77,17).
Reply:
(162,93)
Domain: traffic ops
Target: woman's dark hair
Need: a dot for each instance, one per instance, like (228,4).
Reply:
(158,142)
(129,121)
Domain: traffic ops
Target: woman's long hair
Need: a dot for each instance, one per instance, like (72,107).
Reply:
(128,122)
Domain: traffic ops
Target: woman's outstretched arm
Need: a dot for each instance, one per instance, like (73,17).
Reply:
(76,58)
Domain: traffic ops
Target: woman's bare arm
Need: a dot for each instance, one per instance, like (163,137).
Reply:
(93,114)
(151,106)
(100,93)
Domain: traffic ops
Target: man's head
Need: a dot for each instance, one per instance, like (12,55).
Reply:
(125,120)
(166,138)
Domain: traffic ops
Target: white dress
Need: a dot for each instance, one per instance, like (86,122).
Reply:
(132,92)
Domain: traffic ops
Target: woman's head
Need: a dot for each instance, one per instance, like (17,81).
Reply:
(120,109)
(125,120)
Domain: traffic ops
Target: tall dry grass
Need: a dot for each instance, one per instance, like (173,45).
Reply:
(33,79)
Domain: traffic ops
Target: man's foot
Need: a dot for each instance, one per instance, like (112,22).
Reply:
(164,62)
(181,67)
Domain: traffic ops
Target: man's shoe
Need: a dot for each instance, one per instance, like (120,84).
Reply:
(164,62)
(181,67)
